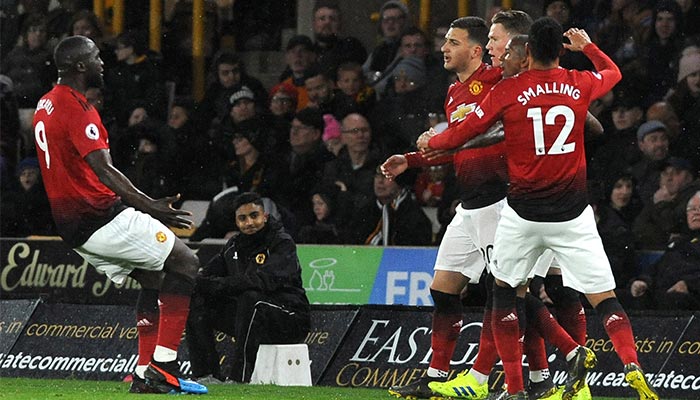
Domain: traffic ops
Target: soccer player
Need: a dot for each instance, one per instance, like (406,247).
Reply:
(109,222)
(513,61)
(543,112)
(481,174)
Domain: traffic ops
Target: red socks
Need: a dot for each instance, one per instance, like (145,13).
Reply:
(572,318)
(488,355)
(618,327)
(174,309)
(506,332)
(447,323)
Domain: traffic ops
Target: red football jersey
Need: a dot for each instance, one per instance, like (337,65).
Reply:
(482,172)
(543,114)
(66,129)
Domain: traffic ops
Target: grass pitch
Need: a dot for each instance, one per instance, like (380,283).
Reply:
(68,389)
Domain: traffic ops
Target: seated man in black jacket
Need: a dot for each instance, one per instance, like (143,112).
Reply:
(252,290)
(673,283)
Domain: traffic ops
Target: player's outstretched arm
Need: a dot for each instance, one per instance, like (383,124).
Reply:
(394,166)
(494,135)
(161,209)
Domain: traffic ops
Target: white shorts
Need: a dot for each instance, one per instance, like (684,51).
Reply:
(544,263)
(131,240)
(575,243)
(468,242)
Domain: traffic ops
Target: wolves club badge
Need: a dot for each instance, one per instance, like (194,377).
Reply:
(161,237)
(260,259)
(475,87)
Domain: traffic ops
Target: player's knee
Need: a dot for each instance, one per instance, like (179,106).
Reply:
(446,303)
(560,294)
(503,296)
(183,261)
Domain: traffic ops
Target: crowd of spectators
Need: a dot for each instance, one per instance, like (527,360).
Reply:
(311,143)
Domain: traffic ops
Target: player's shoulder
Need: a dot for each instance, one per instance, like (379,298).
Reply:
(68,99)
(489,73)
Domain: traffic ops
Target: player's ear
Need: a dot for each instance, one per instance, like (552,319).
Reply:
(80,66)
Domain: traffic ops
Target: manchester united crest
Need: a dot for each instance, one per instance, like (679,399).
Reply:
(260,259)
(475,87)
(161,237)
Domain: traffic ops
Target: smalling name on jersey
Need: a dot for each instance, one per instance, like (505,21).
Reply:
(549,88)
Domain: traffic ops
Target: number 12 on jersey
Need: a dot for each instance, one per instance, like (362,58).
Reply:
(559,146)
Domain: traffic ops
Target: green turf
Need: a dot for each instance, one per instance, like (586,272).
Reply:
(65,389)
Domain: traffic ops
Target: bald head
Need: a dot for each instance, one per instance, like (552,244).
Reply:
(72,50)
(78,62)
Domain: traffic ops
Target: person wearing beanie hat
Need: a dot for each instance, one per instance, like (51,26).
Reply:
(331,134)
(684,97)
(283,100)
(409,74)
(242,105)
(242,93)
(300,54)
(653,143)
(650,127)
(24,205)
(689,64)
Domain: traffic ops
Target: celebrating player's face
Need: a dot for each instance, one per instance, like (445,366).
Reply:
(512,61)
(456,50)
(93,68)
(498,38)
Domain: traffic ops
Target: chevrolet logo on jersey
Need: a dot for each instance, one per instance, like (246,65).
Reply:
(461,112)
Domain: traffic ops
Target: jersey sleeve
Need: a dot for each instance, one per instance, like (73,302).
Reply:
(415,159)
(476,123)
(608,74)
(85,129)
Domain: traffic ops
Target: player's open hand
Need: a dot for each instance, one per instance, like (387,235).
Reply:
(163,210)
(394,166)
(578,39)
(424,138)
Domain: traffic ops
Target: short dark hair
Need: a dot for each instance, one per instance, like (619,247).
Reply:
(414,30)
(476,27)
(135,39)
(513,21)
(545,39)
(247,198)
(332,4)
(89,16)
(227,57)
(70,50)
(517,43)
